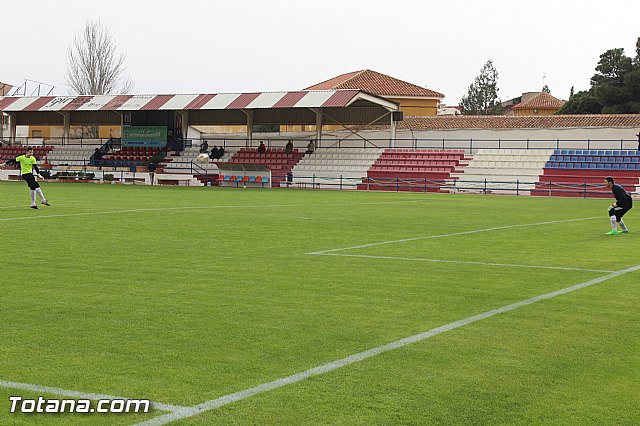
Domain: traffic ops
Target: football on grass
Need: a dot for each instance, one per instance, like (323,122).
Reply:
(202,158)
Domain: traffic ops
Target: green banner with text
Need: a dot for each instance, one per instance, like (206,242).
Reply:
(155,136)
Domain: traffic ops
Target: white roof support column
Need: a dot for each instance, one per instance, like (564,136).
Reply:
(249,114)
(318,112)
(13,127)
(184,123)
(66,126)
(392,132)
(3,119)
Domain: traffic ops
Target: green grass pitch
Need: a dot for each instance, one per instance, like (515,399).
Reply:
(184,295)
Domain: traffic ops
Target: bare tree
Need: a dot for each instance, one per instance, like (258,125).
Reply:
(94,65)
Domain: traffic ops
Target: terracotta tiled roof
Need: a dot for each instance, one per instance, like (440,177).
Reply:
(518,122)
(541,101)
(376,83)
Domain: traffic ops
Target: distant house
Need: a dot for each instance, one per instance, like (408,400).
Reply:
(532,103)
(449,110)
(414,100)
(5,88)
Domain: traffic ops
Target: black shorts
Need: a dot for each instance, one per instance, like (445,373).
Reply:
(31,181)
(618,212)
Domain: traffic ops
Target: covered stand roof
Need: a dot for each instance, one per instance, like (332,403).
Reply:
(344,106)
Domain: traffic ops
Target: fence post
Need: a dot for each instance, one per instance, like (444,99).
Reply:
(550,183)
(621,141)
(485,186)
(313,181)
(425,184)
(443,144)
(558,143)
(471,146)
(588,143)
(517,187)
(340,182)
(527,143)
(397,184)
(499,143)
(585,189)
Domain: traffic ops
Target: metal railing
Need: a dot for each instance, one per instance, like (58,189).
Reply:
(467,144)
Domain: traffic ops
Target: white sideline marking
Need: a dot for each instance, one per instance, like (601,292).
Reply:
(361,356)
(160,209)
(76,394)
(455,234)
(465,262)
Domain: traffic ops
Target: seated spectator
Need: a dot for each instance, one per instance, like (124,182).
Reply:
(262,148)
(220,152)
(204,147)
(289,147)
(310,147)
(214,153)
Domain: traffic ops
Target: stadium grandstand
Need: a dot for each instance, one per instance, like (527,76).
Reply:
(370,131)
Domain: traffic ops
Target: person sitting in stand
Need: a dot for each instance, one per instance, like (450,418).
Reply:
(289,147)
(214,153)
(310,147)
(204,147)
(220,152)
(262,148)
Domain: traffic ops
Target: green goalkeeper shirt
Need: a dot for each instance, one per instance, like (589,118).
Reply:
(26,163)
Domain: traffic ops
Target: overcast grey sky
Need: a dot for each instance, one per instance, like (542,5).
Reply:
(197,46)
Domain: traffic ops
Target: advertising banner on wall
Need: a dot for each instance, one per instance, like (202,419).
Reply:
(152,136)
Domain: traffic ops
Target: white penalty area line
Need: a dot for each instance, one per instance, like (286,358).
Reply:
(464,262)
(361,356)
(161,209)
(455,234)
(83,395)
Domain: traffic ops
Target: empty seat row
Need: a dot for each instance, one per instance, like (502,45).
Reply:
(596,159)
(595,152)
(594,166)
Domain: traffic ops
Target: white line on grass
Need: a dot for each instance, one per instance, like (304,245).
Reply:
(455,234)
(83,395)
(160,209)
(361,356)
(464,262)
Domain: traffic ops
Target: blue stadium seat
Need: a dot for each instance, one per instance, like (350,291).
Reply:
(635,160)
(600,152)
(585,165)
(574,159)
(595,159)
(592,165)
(615,166)
(556,151)
(608,152)
(617,152)
(582,159)
(551,165)
(600,166)
(623,167)
(252,179)
(607,166)
(571,152)
(562,165)
(564,152)
(627,159)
